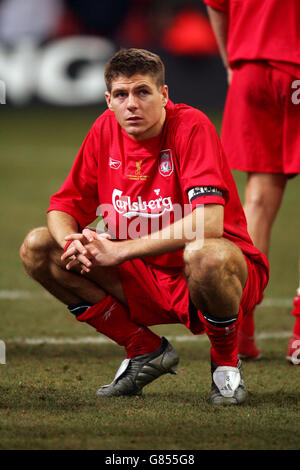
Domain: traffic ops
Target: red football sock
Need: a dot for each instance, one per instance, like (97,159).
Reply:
(296,313)
(296,329)
(224,350)
(110,318)
(247,325)
(296,309)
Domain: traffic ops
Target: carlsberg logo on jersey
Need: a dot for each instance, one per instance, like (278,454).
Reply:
(143,217)
(148,209)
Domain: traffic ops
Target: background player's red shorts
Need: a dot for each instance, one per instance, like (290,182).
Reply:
(260,130)
(158,296)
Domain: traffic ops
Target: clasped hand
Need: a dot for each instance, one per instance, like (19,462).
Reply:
(90,249)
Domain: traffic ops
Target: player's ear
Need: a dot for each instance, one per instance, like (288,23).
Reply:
(108,100)
(165,94)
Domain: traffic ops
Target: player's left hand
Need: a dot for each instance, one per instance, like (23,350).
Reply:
(103,252)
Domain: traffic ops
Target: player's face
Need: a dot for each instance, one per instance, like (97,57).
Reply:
(138,104)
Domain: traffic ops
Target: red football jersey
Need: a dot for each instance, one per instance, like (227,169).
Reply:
(136,186)
(263,30)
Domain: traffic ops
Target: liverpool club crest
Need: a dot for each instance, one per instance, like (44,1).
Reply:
(165,163)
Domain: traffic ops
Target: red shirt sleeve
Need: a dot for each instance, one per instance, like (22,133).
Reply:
(78,195)
(202,160)
(221,5)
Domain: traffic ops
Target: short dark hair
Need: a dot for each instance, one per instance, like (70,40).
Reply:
(133,61)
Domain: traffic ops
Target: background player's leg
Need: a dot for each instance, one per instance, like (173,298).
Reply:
(293,349)
(263,196)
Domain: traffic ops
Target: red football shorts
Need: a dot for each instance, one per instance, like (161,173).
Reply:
(261,122)
(158,296)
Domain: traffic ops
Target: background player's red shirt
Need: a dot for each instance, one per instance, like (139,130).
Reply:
(147,180)
(263,30)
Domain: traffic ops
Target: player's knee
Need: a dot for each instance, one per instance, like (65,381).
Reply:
(34,249)
(216,275)
(257,200)
(37,239)
(262,204)
(213,260)
(22,252)
(204,261)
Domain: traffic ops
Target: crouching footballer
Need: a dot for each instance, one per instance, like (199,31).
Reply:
(175,247)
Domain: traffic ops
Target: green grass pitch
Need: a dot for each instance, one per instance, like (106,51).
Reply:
(47,391)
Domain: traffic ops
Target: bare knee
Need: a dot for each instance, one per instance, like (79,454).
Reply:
(34,251)
(264,194)
(204,261)
(258,206)
(216,274)
(35,241)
